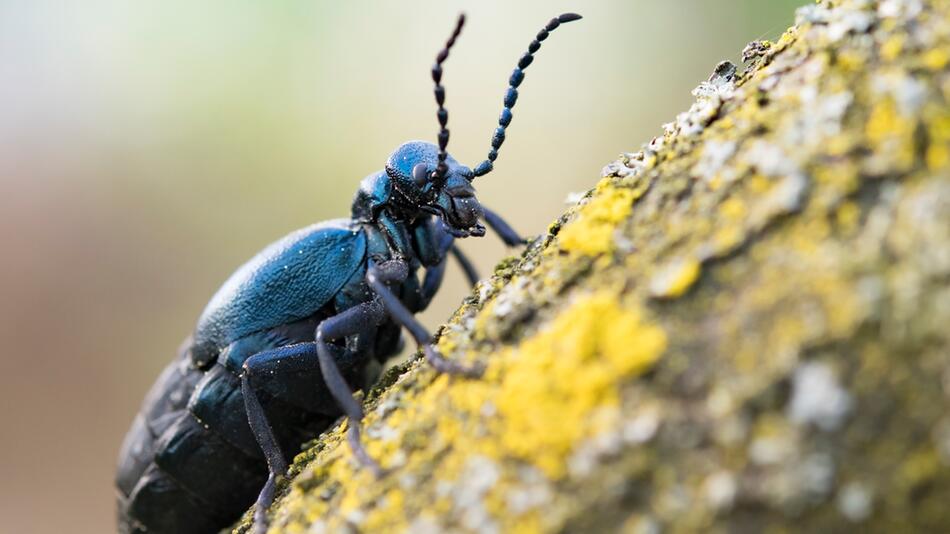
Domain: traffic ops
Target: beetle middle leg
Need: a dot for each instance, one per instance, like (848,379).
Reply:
(377,277)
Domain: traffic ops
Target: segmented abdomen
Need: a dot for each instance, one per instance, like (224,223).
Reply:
(150,498)
(190,463)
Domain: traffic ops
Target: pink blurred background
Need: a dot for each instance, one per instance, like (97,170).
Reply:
(148,148)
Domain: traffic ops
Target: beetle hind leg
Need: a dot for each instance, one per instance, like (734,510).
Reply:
(290,358)
(361,320)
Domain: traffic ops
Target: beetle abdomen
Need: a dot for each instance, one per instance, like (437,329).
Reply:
(165,402)
(161,505)
(150,498)
(190,463)
(180,474)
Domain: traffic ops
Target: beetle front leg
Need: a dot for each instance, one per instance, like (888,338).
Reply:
(376,276)
(502,228)
(466,264)
(395,235)
(431,283)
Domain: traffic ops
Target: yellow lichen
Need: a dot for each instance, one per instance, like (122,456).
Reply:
(938,131)
(592,232)
(892,47)
(937,156)
(850,60)
(847,216)
(890,134)
(673,280)
(823,273)
(839,145)
(935,59)
(882,122)
(553,382)
(919,467)
(534,405)
(733,208)
(759,183)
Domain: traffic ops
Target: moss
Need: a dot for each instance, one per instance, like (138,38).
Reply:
(741,327)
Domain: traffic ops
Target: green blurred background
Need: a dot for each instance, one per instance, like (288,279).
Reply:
(148,148)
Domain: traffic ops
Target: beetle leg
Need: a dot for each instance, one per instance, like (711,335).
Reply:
(362,321)
(295,357)
(502,228)
(432,282)
(470,272)
(395,234)
(376,275)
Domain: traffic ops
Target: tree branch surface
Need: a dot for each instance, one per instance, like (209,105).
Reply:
(744,327)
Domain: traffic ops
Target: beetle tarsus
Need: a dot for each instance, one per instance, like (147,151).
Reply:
(359,452)
(450,367)
(264,500)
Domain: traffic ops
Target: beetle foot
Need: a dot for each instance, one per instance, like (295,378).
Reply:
(450,367)
(365,460)
(260,524)
(264,500)
(517,241)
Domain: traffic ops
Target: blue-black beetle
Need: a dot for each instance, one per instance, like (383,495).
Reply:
(279,349)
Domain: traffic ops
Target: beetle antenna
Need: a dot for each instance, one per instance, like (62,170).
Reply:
(439,174)
(511,96)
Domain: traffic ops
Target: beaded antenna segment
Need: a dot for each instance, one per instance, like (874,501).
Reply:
(439,174)
(511,95)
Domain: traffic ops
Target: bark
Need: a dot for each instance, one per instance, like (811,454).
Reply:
(745,326)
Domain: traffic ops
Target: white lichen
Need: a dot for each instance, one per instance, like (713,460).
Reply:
(642,427)
(854,502)
(769,159)
(818,398)
(714,156)
(720,489)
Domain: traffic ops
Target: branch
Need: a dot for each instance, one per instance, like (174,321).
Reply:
(743,326)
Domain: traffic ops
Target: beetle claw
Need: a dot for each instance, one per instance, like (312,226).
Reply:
(450,367)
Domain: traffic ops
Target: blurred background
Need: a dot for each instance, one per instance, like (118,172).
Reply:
(149,148)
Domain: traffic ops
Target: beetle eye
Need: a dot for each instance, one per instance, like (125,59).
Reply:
(419,174)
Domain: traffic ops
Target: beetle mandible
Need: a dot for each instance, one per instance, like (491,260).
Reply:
(280,347)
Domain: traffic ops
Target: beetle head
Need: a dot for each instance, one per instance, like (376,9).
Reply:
(412,169)
(427,179)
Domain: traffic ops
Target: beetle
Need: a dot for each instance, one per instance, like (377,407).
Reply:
(279,349)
